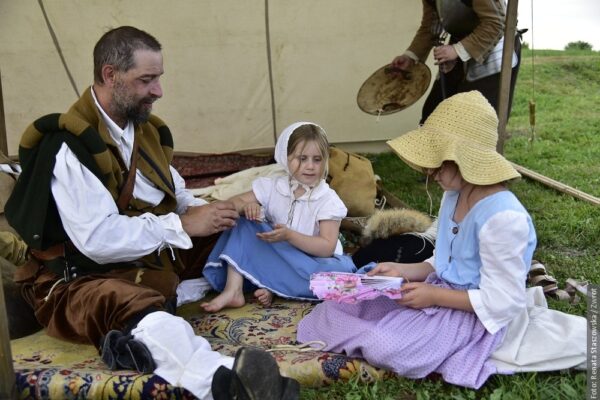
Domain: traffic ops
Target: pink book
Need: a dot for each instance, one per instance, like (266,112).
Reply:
(345,287)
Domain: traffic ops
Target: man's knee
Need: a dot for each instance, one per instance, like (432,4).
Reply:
(21,318)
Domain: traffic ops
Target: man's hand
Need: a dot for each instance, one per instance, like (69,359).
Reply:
(447,66)
(444,54)
(403,62)
(209,219)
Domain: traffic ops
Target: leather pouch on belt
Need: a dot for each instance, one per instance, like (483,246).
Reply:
(28,271)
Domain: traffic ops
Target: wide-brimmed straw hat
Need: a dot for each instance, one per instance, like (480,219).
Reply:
(463,129)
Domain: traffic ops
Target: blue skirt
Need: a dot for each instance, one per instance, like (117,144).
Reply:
(279,267)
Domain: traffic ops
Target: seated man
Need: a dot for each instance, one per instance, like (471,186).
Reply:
(105,217)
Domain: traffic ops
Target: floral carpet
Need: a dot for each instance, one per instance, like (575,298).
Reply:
(48,368)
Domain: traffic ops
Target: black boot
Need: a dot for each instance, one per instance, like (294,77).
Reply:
(221,384)
(121,351)
(256,376)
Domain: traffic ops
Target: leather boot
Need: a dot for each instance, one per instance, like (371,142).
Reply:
(256,377)
(221,384)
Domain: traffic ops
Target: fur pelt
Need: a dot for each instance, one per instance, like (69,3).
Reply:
(385,223)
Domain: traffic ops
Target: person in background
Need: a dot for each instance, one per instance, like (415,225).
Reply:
(299,219)
(106,218)
(472,59)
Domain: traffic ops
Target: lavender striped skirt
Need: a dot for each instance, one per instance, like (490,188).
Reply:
(411,342)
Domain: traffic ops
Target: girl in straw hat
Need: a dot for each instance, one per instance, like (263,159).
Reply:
(290,230)
(460,305)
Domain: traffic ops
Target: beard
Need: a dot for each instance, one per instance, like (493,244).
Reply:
(129,107)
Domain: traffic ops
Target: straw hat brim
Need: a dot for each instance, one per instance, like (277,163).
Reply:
(385,93)
(428,148)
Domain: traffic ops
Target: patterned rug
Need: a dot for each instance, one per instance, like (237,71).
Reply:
(48,368)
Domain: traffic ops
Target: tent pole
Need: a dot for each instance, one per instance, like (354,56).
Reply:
(505,73)
(8,384)
(3,135)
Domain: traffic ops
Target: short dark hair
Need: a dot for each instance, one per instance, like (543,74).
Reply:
(116,47)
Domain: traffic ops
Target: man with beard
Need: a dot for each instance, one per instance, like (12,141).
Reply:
(106,218)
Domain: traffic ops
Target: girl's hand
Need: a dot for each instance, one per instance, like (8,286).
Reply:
(252,211)
(418,295)
(387,269)
(280,233)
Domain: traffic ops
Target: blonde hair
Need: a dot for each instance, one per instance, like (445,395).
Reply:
(308,133)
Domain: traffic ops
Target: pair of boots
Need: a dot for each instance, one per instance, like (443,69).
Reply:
(254,376)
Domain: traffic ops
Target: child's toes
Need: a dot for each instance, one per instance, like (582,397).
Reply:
(264,296)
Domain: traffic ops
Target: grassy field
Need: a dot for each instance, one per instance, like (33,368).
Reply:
(564,146)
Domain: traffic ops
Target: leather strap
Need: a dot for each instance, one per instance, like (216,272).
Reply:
(52,252)
(127,189)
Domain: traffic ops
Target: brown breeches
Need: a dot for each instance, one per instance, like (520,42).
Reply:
(87,307)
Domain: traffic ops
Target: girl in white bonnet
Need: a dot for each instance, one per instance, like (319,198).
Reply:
(290,231)
(465,312)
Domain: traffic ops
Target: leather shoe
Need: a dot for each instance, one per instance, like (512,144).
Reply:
(256,377)
(121,351)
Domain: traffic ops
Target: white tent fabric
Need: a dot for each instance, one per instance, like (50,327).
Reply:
(236,72)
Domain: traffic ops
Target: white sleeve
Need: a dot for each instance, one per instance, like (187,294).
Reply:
(262,188)
(184,197)
(462,53)
(431,260)
(92,221)
(333,209)
(501,294)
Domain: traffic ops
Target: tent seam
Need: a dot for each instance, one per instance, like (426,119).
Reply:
(270,69)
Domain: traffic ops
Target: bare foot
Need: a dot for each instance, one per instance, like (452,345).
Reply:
(264,297)
(231,299)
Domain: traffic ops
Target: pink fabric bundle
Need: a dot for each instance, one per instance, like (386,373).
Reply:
(345,287)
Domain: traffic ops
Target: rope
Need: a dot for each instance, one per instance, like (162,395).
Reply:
(532,100)
(53,287)
(58,49)
(313,345)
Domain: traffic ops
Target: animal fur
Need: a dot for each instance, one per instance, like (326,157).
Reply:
(385,223)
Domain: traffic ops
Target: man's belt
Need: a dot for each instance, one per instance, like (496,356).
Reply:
(54,258)
(28,271)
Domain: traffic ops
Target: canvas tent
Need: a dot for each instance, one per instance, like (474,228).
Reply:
(236,72)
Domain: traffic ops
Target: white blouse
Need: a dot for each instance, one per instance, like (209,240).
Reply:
(303,214)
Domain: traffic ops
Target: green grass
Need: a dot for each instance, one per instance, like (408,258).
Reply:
(566,148)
